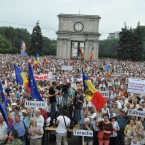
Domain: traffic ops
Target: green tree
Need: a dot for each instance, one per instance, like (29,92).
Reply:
(130,44)
(36,40)
(15,36)
(108,48)
(6,46)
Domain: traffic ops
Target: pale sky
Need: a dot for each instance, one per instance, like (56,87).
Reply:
(113,13)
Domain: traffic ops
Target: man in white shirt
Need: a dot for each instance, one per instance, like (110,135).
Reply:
(63,122)
(36,129)
(3,129)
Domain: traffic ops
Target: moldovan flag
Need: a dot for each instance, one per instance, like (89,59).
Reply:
(23,49)
(79,52)
(21,78)
(92,94)
(89,89)
(92,54)
(98,101)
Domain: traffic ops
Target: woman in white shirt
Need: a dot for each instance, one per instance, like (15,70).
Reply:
(61,131)
(113,137)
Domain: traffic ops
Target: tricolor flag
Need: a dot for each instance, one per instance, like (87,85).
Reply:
(36,62)
(92,94)
(21,78)
(23,49)
(32,84)
(92,54)
(79,52)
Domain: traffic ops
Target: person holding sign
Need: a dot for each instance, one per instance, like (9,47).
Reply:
(87,126)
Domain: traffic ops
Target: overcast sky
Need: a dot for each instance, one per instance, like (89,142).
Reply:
(113,13)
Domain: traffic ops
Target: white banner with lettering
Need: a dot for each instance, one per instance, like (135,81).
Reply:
(133,112)
(66,67)
(83,133)
(136,86)
(35,104)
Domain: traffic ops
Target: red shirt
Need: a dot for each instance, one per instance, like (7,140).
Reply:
(106,127)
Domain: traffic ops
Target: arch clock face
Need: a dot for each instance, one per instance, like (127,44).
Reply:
(78,26)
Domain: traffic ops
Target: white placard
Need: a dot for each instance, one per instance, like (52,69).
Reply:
(66,67)
(83,133)
(105,94)
(138,113)
(35,104)
(136,86)
(116,74)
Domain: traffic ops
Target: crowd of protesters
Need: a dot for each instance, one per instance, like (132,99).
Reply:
(66,107)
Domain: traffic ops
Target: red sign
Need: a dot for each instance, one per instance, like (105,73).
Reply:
(41,77)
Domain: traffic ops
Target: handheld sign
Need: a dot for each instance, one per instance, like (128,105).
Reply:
(35,104)
(105,94)
(138,113)
(136,86)
(83,133)
(66,68)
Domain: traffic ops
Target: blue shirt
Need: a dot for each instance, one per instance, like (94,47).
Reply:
(20,128)
(122,121)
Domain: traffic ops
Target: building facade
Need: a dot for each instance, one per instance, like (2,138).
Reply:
(77,31)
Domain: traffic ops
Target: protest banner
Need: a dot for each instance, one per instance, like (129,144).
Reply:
(105,94)
(41,77)
(116,74)
(83,133)
(35,104)
(66,67)
(136,86)
(138,113)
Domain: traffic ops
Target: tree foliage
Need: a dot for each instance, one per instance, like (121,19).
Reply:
(6,46)
(108,48)
(131,44)
(15,36)
(36,40)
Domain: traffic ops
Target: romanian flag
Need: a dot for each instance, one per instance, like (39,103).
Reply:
(36,62)
(92,94)
(32,84)
(4,114)
(107,70)
(23,49)
(21,78)
(92,54)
